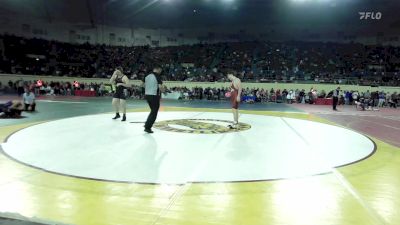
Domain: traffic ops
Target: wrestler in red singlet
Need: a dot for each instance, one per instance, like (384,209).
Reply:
(236,90)
(234,94)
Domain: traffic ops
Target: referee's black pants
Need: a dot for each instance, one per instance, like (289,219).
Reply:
(33,106)
(154,104)
(335,102)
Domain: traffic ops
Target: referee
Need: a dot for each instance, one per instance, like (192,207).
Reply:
(336,97)
(152,87)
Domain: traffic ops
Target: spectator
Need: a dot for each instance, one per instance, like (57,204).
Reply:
(319,62)
(381,99)
(393,100)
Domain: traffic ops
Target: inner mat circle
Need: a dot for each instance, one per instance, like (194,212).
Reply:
(98,147)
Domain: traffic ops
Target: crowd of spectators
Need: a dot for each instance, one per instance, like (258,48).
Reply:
(48,88)
(341,63)
(249,95)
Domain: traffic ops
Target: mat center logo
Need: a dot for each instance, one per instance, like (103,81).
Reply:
(200,126)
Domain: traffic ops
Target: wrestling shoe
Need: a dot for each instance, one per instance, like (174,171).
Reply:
(233,126)
(116,116)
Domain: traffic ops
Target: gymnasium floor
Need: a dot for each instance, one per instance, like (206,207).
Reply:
(69,163)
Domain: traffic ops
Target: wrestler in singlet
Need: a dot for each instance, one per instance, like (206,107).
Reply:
(236,90)
(234,94)
(121,82)
(11,108)
(120,90)
(5,106)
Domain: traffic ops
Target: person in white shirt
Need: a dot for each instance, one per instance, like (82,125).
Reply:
(291,97)
(153,88)
(335,96)
(355,96)
(28,98)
